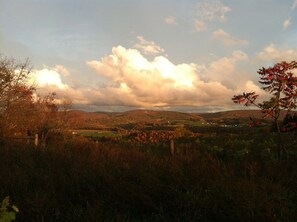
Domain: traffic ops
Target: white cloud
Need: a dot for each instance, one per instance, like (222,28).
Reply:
(286,23)
(227,39)
(136,81)
(212,9)
(148,47)
(276,54)
(47,77)
(199,25)
(170,20)
(49,80)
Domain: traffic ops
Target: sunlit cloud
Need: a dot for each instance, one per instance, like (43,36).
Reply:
(170,20)
(227,39)
(47,77)
(274,54)
(224,70)
(61,69)
(48,80)
(136,81)
(286,23)
(148,47)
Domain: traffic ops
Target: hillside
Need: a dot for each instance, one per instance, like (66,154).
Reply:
(237,114)
(95,120)
(233,114)
(142,118)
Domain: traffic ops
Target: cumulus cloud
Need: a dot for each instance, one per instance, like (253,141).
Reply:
(148,47)
(47,78)
(61,69)
(225,70)
(227,39)
(170,20)
(212,9)
(199,25)
(275,54)
(136,81)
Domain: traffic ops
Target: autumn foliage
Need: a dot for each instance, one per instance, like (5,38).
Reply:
(24,112)
(281,83)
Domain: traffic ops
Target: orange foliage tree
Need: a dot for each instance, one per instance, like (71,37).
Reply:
(15,93)
(281,83)
(21,110)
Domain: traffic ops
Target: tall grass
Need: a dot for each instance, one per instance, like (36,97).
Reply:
(84,181)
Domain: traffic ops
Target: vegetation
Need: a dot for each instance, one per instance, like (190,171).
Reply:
(281,83)
(7,211)
(225,177)
(22,111)
(121,167)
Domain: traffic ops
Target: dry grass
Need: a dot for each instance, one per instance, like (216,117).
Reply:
(82,181)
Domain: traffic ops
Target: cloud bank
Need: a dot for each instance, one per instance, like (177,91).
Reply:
(136,81)
(133,80)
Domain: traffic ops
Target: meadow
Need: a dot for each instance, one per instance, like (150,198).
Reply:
(221,174)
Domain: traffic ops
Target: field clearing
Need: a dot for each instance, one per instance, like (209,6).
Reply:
(96,133)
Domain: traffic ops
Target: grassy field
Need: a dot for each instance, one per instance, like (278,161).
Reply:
(216,176)
(97,133)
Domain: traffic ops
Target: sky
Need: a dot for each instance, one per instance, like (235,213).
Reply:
(118,55)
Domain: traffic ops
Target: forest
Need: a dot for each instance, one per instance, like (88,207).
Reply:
(61,164)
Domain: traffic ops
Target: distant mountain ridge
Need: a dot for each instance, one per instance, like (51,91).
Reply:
(96,120)
(257,114)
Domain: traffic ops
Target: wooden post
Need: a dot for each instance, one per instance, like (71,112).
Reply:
(172,147)
(36,139)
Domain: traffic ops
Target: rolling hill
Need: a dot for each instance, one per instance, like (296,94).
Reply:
(99,120)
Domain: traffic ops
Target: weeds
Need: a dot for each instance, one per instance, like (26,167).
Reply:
(85,181)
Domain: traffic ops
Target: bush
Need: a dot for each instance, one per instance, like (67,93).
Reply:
(7,211)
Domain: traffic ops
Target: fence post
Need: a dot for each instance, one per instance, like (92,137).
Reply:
(172,147)
(36,139)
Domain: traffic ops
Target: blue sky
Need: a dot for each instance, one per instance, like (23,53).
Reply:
(113,55)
